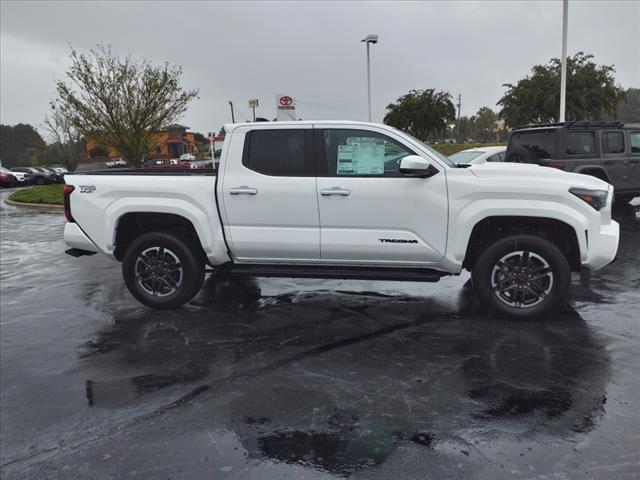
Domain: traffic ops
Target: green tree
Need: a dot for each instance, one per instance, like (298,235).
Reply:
(422,113)
(591,93)
(628,109)
(465,129)
(119,101)
(16,140)
(485,125)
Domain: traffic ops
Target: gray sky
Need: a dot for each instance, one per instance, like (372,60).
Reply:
(310,51)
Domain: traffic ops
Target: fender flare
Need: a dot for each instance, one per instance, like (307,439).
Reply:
(467,219)
(211,239)
(595,167)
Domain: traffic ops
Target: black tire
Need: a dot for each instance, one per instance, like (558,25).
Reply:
(519,155)
(39,181)
(177,260)
(499,281)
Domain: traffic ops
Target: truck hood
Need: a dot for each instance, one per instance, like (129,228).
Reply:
(536,172)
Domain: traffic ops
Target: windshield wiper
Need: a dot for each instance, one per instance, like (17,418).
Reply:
(463,165)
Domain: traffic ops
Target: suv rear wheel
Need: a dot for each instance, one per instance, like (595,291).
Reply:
(522,276)
(163,271)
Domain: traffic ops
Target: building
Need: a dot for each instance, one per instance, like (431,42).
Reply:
(170,142)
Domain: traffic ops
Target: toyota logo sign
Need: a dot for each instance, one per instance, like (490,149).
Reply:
(286,100)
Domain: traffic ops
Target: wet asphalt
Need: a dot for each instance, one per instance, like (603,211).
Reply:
(296,379)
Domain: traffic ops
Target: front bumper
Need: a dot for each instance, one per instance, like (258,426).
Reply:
(74,237)
(603,246)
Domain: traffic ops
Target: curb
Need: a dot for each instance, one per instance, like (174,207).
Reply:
(37,206)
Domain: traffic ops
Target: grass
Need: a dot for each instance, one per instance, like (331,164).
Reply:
(51,194)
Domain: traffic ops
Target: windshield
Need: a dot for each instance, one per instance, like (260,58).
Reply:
(465,156)
(435,153)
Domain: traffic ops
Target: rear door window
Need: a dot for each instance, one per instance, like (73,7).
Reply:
(281,152)
(581,143)
(612,142)
(539,144)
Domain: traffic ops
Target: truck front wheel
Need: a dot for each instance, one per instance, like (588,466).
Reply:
(522,276)
(163,271)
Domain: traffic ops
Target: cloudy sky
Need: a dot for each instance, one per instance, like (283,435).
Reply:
(310,50)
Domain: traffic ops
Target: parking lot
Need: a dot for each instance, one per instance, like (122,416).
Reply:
(308,378)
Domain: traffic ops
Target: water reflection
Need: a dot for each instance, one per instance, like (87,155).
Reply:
(336,381)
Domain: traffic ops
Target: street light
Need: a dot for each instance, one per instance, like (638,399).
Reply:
(563,71)
(369,39)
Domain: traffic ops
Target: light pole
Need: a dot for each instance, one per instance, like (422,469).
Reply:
(233,118)
(563,71)
(369,39)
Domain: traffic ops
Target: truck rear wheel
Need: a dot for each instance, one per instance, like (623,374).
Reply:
(522,276)
(163,271)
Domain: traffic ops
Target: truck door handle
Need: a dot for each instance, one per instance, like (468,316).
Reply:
(344,192)
(243,190)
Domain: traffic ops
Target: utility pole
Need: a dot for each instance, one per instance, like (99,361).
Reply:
(233,118)
(459,103)
(563,72)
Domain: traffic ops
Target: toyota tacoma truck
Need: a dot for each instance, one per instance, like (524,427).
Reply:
(345,200)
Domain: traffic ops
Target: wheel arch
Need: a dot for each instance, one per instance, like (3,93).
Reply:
(593,170)
(133,224)
(489,229)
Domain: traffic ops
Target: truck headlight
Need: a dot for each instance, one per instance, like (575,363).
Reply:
(596,198)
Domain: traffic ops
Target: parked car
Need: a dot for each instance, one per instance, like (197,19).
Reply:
(22,178)
(7,178)
(479,155)
(116,163)
(60,170)
(187,156)
(56,177)
(313,200)
(606,150)
(39,177)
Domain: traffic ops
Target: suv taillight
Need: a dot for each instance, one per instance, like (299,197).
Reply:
(558,165)
(67,203)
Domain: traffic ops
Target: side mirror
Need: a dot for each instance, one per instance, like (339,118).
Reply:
(416,166)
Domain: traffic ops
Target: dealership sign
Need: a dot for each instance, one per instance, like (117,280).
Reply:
(286,108)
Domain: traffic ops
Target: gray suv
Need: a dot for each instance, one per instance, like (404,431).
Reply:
(607,150)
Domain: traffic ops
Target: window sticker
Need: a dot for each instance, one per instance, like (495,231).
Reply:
(361,156)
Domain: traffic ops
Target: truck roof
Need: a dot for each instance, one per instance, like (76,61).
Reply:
(229,127)
(576,124)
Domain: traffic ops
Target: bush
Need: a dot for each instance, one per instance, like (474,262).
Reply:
(51,194)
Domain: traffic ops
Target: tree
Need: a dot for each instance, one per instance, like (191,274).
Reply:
(67,138)
(485,125)
(465,129)
(421,113)
(591,93)
(19,143)
(628,109)
(119,101)
(99,151)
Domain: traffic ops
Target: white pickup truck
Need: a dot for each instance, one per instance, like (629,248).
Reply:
(345,200)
